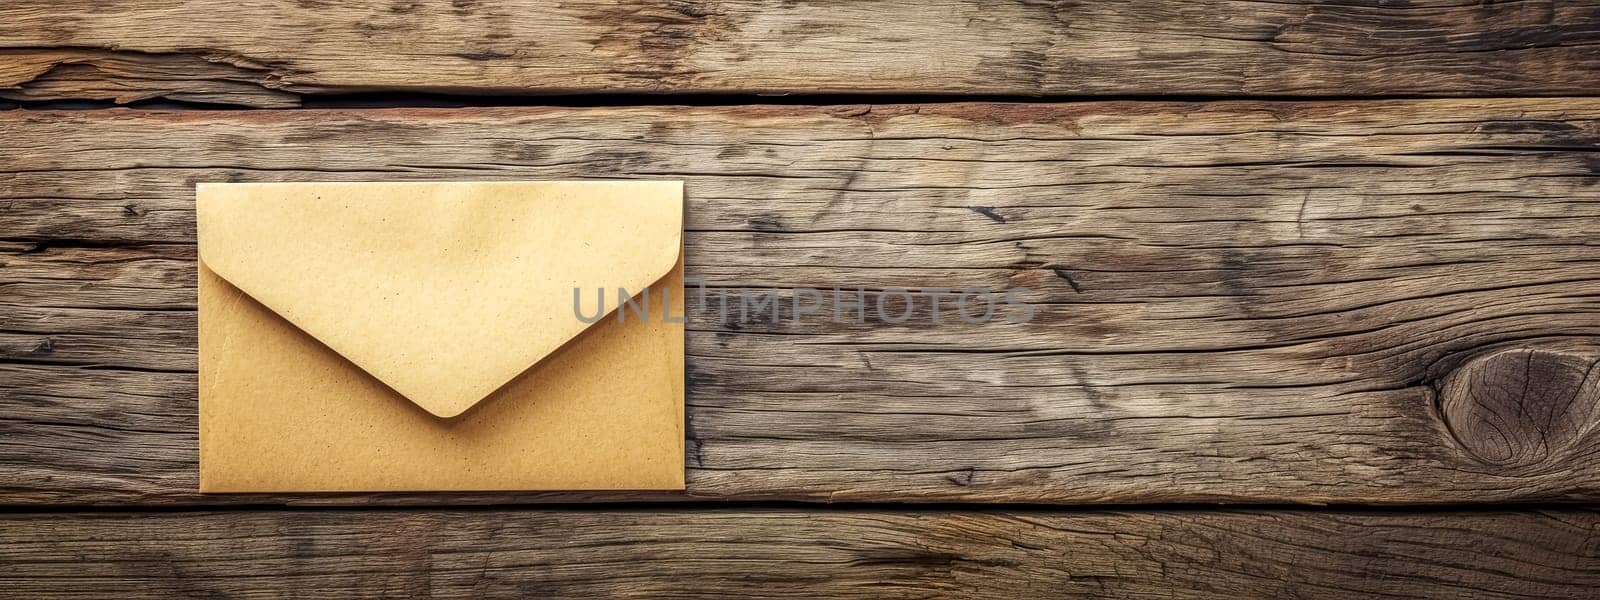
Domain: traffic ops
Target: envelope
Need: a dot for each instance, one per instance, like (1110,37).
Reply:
(441,336)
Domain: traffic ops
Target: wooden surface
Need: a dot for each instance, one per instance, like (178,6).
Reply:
(1299,252)
(266,52)
(791,553)
(1271,302)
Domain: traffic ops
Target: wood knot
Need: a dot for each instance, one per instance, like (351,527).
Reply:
(1522,407)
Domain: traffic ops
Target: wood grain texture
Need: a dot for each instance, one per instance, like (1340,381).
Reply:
(741,553)
(1376,301)
(266,52)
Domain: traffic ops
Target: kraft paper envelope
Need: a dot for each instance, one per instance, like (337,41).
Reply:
(423,336)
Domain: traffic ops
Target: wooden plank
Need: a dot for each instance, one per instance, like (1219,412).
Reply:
(768,553)
(266,52)
(1390,302)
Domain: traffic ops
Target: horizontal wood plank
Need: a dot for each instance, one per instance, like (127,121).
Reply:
(1317,302)
(268,53)
(784,553)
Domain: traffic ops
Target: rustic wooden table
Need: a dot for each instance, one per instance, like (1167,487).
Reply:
(1333,263)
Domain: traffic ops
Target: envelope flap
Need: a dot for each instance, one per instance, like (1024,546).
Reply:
(443,291)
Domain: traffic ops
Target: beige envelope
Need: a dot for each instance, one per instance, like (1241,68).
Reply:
(423,336)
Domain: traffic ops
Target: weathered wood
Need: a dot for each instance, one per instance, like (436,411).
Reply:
(784,553)
(1236,301)
(123,77)
(257,52)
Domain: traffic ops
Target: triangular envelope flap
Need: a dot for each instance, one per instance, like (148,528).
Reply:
(443,291)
